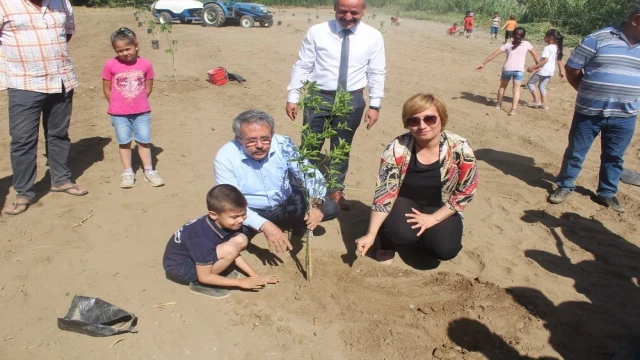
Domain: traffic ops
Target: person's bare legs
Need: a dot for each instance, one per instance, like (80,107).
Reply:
(501,89)
(125,155)
(228,252)
(516,95)
(144,151)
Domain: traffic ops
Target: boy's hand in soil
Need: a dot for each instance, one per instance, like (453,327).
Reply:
(252,283)
(269,279)
(292,110)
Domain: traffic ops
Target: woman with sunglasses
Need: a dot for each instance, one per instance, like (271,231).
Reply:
(426,178)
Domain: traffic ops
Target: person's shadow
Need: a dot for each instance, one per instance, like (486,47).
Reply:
(473,335)
(525,169)
(486,101)
(355,223)
(136,163)
(607,325)
(82,155)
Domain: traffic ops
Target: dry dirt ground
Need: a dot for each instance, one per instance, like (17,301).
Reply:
(534,280)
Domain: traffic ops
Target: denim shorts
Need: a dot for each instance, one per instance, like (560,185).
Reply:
(135,126)
(516,75)
(494,30)
(184,274)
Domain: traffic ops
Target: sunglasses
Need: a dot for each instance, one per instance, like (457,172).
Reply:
(123,31)
(429,120)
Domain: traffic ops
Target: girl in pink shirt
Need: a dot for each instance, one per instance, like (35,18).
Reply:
(513,68)
(127,81)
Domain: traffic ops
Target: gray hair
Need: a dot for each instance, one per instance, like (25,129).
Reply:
(252,117)
(335,3)
(635,9)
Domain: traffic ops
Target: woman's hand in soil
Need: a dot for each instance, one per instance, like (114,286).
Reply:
(422,221)
(313,218)
(364,244)
(252,283)
(292,110)
(276,238)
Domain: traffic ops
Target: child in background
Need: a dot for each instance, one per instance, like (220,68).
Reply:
(513,68)
(204,251)
(127,81)
(468,24)
(545,69)
(453,30)
(495,25)
(510,25)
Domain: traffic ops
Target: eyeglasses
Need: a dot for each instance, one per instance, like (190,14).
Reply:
(429,120)
(265,140)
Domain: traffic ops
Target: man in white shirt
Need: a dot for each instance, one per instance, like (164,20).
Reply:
(342,53)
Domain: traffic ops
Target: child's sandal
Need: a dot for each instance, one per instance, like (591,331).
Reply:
(512,112)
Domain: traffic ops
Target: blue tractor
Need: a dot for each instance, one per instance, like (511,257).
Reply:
(211,13)
(217,13)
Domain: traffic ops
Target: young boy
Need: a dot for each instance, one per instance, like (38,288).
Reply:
(468,24)
(495,25)
(203,252)
(453,30)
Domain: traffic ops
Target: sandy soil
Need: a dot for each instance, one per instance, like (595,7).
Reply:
(533,280)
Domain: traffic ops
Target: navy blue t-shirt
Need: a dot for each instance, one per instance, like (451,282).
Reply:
(195,242)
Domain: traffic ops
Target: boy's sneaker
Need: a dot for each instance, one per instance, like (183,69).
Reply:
(534,104)
(127,180)
(611,202)
(153,178)
(543,107)
(559,195)
(213,291)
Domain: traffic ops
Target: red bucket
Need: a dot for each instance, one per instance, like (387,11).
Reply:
(218,76)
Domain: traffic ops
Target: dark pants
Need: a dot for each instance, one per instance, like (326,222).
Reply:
(442,241)
(316,121)
(25,109)
(615,134)
(291,213)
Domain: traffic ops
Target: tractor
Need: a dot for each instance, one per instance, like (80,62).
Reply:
(211,13)
(217,13)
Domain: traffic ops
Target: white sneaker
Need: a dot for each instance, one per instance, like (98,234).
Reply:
(127,180)
(153,178)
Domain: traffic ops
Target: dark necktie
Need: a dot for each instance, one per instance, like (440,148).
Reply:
(344,60)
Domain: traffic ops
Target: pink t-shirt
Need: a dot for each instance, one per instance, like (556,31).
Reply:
(128,85)
(515,58)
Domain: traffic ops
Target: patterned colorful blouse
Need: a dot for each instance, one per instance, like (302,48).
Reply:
(458,172)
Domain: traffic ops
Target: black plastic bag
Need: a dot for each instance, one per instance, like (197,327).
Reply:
(95,317)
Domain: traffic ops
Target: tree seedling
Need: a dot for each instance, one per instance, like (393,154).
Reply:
(310,158)
(173,47)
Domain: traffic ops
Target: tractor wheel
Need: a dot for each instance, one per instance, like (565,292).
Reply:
(164,18)
(212,15)
(268,23)
(246,21)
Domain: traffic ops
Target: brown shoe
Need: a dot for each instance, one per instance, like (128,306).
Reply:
(338,198)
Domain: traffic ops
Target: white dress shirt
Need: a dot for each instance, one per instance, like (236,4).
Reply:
(319,60)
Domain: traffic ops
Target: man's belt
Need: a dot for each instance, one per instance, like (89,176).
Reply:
(333,93)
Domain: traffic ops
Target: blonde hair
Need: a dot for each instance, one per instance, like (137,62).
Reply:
(421,102)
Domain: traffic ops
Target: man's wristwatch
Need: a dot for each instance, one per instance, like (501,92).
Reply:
(376,108)
(317,203)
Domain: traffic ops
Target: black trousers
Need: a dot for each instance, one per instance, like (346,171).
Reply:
(442,241)
(291,213)
(316,121)
(25,110)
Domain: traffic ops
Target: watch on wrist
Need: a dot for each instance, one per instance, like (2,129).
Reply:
(317,203)
(376,108)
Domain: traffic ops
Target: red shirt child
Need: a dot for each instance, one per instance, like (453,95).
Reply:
(452,30)
(468,22)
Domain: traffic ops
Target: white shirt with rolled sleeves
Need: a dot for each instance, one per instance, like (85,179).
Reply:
(319,60)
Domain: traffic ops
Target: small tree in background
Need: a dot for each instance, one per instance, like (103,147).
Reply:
(173,47)
(310,157)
